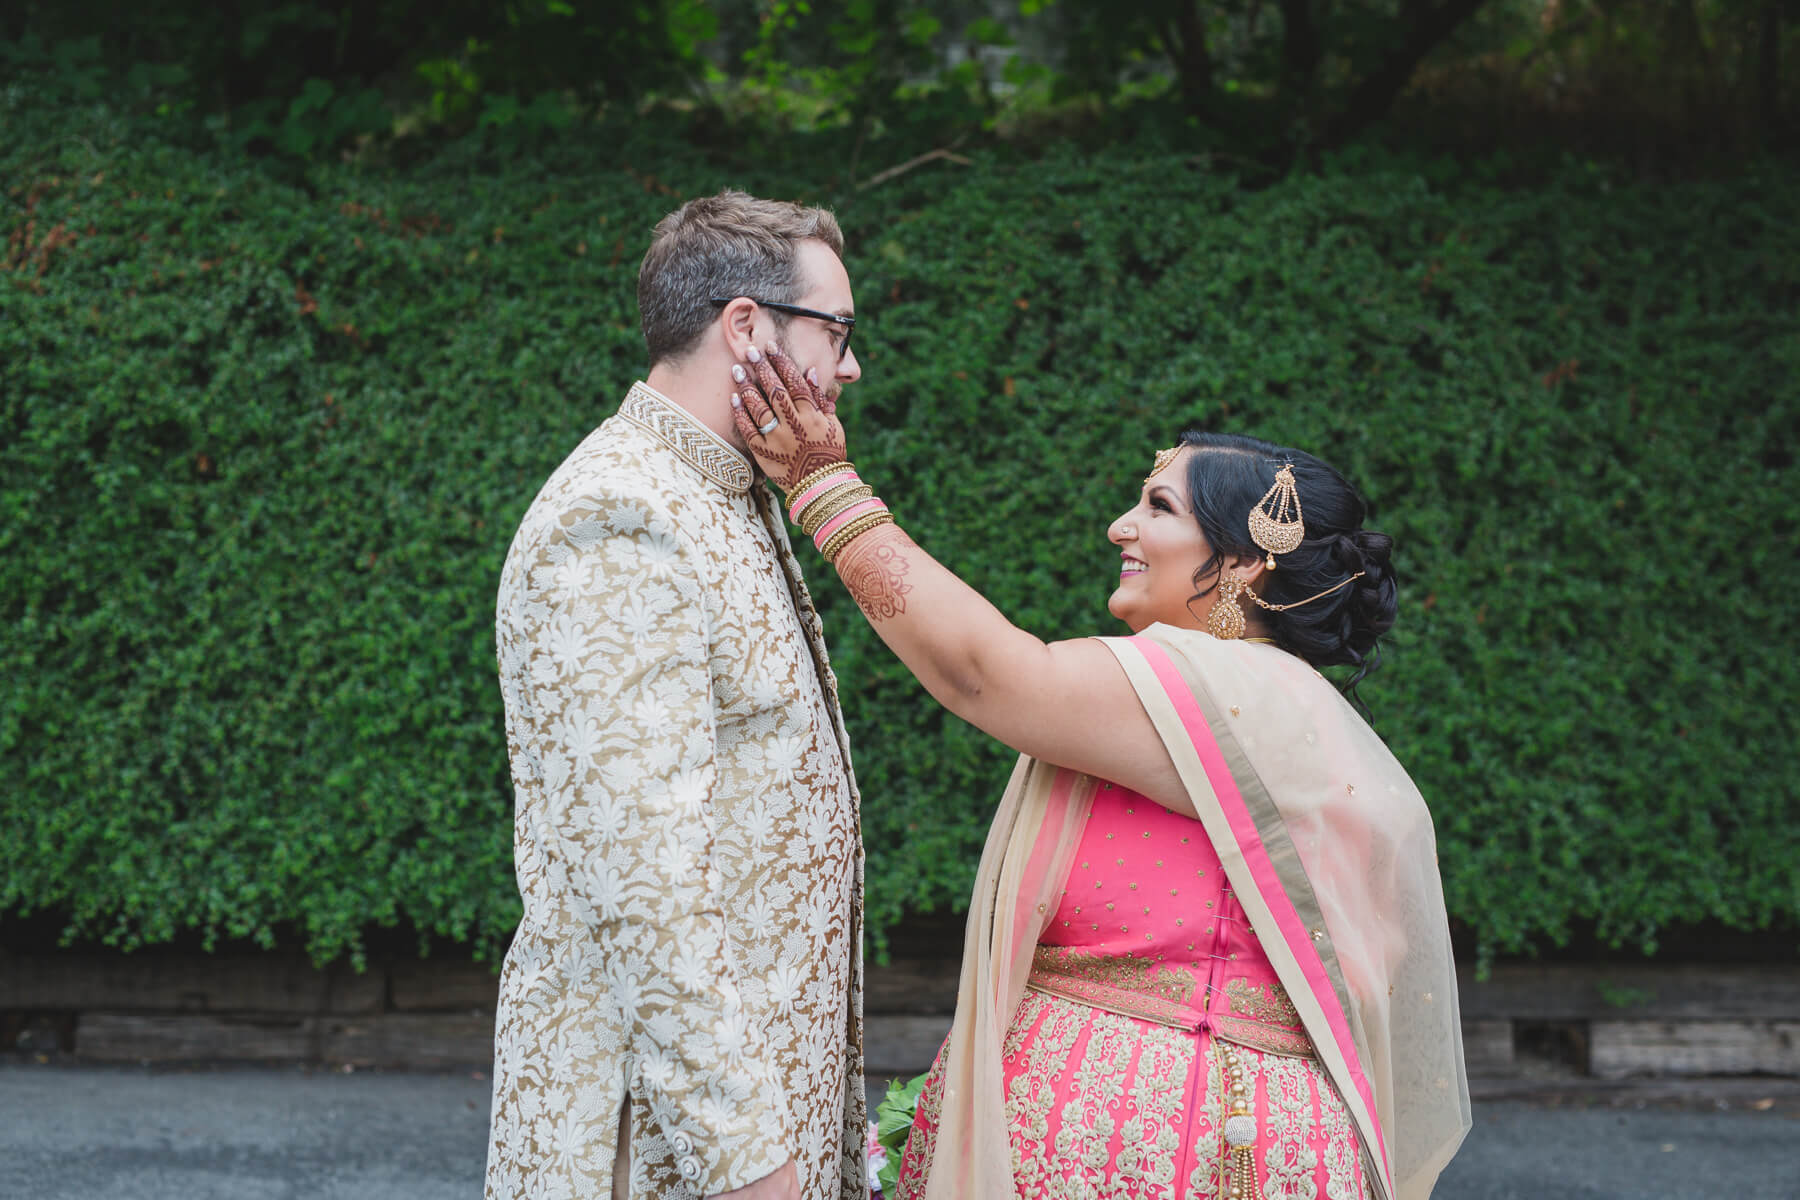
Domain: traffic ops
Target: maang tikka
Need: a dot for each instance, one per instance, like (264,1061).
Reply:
(1275,522)
(1163,459)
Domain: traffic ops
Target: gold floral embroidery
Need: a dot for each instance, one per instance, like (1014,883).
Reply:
(1258,1036)
(689,439)
(1265,1020)
(1289,1160)
(1249,1000)
(1344,1177)
(1098,1108)
(1209,1176)
(915,1158)
(1116,983)
(1119,1080)
(686,836)
(1041,1041)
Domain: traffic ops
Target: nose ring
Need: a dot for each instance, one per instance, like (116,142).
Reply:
(1127,531)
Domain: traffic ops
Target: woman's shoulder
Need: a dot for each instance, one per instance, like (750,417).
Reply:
(1272,702)
(1229,663)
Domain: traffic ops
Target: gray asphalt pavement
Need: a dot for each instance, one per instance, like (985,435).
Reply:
(94,1133)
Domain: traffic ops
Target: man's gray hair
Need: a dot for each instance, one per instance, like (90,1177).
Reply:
(731,244)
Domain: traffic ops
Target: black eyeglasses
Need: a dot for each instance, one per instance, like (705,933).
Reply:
(848,323)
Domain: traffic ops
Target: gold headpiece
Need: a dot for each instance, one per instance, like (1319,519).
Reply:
(1163,459)
(1275,522)
(1226,620)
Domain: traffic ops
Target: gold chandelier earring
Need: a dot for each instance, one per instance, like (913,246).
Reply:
(1275,522)
(1226,620)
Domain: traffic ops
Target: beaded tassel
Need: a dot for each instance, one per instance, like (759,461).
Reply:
(1240,1133)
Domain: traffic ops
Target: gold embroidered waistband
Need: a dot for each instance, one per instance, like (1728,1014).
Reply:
(1257,1015)
(1118,983)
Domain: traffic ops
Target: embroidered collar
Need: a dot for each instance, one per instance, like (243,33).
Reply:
(693,442)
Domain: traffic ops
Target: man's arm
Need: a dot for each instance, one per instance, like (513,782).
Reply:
(622,733)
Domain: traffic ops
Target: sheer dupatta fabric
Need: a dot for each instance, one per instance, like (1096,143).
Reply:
(1326,843)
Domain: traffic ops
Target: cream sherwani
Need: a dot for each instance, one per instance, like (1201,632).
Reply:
(686,837)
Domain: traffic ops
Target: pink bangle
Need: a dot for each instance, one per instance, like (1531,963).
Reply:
(847,475)
(836,523)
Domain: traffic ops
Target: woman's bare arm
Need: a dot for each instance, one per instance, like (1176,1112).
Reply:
(1067,703)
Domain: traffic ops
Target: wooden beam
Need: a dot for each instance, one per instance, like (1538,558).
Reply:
(912,985)
(152,982)
(1545,992)
(1488,1047)
(411,1040)
(115,1037)
(1617,1049)
(441,985)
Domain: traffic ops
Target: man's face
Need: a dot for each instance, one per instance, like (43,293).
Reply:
(809,341)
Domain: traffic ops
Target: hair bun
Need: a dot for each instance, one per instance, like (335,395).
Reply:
(1375,598)
(1363,550)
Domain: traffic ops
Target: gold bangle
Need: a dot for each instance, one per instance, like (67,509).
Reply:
(838,533)
(852,531)
(849,533)
(820,503)
(814,516)
(819,474)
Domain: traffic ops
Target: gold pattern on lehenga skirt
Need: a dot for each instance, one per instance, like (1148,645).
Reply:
(1249,1000)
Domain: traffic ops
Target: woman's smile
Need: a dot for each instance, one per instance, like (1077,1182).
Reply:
(1129,566)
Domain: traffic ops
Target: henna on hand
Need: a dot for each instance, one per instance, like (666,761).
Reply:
(874,567)
(808,436)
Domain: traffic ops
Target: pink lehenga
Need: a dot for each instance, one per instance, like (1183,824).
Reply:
(1258,1004)
(1149,999)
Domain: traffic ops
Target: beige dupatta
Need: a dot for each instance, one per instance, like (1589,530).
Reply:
(1328,846)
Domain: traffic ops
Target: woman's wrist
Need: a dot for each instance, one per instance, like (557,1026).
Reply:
(833,506)
(815,485)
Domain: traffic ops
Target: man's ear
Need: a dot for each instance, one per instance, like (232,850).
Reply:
(738,322)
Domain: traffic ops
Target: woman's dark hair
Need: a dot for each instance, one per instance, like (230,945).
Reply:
(1226,478)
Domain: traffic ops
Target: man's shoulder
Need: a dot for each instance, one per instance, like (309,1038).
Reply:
(617,463)
(618,483)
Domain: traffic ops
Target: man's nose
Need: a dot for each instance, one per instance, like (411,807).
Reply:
(848,369)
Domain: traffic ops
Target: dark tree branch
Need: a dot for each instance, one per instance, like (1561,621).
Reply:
(1184,43)
(1300,46)
(1768,75)
(1375,95)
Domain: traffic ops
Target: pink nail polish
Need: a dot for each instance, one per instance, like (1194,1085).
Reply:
(737,373)
(753,354)
(735,401)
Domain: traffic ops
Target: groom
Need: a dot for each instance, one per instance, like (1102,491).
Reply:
(680,1013)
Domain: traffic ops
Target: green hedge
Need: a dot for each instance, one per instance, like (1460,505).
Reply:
(265,444)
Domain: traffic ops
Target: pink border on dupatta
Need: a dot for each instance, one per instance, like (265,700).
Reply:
(1262,871)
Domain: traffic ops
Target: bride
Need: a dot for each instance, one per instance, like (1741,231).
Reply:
(1207,953)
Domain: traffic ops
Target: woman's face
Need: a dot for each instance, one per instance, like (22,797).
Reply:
(1161,547)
